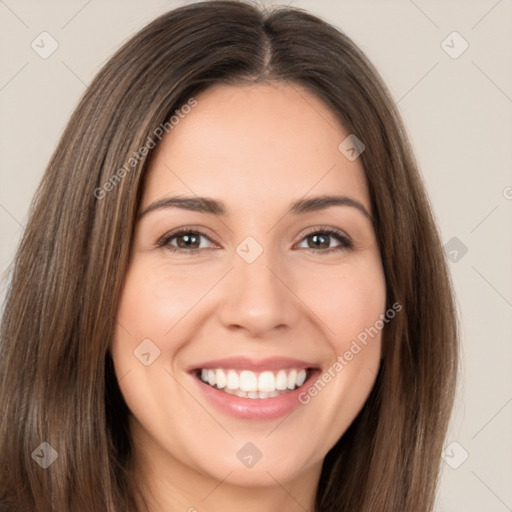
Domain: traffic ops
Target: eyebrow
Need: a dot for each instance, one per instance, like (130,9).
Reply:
(214,207)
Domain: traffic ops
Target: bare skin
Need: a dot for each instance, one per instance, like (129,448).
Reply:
(256,149)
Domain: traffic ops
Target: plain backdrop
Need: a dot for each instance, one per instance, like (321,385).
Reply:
(454,91)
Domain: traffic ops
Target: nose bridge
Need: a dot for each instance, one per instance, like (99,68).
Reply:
(256,297)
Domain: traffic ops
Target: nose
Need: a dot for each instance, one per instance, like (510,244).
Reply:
(257,298)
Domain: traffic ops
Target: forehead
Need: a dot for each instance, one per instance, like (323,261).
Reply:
(255,144)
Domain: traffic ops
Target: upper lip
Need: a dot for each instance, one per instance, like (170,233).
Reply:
(255,365)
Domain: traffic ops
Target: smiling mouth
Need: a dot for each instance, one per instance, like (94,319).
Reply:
(255,385)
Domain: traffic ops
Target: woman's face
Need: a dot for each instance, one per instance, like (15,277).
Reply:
(254,294)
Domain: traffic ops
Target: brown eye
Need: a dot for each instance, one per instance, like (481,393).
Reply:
(321,240)
(188,241)
(183,240)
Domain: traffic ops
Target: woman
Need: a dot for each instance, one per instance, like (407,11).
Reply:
(231,290)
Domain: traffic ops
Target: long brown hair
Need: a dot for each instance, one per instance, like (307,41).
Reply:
(56,374)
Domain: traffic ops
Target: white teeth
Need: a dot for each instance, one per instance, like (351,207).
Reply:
(281,380)
(248,381)
(232,380)
(252,394)
(248,384)
(266,382)
(301,377)
(292,379)
(221,379)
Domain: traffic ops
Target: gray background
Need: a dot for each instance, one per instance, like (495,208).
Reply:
(458,114)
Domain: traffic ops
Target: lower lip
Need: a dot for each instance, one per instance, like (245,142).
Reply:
(254,408)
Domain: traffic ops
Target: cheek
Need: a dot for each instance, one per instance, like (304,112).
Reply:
(155,298)
(350,303)
(155,308)
(347,299)
(143,316)
(152,303)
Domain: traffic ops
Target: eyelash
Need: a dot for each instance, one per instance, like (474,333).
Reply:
(345,242)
